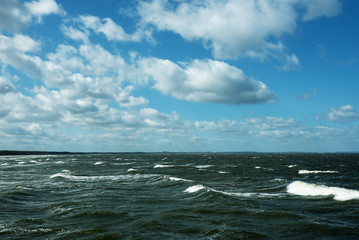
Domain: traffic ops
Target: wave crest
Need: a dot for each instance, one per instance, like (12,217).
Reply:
(308,189)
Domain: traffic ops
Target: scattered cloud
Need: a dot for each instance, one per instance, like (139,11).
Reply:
(323,52)
(319,8)
(14,51)
(111,30)
(82,93)
(205,81)
(266,126)
(6,86)
(308,95)
(14,15)
(75,34)
(43,7)
(241,28)
(343,114)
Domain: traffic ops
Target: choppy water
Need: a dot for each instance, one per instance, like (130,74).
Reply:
(180,196)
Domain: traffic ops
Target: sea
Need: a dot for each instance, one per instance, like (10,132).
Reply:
(180,196)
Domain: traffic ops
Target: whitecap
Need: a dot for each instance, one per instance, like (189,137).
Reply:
(103,178)
(308,189)
(194,188)
(203,166)
(179,179)
(98,163)
(132,170)
(61,175)
(267,169)
(199,187)
(277,180)
(222,172)
(315,171)
(292,166)
(22,187)
(162,166)
(247,194)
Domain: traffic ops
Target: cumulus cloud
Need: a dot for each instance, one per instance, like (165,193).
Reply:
(15,15)
(6,86)
(111,30)
(205,81)
(74,33)
(236,28)
(14,51)
(44,7)
(343,114)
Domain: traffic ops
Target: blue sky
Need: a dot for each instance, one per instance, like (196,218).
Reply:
(180,75)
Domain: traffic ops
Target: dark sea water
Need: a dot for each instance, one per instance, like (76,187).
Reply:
(180,196)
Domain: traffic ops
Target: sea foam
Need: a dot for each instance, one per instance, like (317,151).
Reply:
(179,179)
(125,177)
(315,171)
(194,188)
(162,166)
(308,189)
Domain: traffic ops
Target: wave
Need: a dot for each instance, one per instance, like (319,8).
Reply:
(162,166)
(315,171)
(203,166)
(194,188)
(66,175)
(200,187)
(179,179)
(308,189)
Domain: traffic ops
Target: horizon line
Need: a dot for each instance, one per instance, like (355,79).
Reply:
(40,152)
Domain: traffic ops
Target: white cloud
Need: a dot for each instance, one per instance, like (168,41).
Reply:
(205,81)
(14,15)
(289,62)
(18,43)
(44,7)
(6,86)
(266,126)
(153,118)
(109,28)
(14,51)
(343,114)
(75,34)
(318,8)
(235,28)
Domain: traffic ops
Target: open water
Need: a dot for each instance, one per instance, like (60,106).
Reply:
(180,196)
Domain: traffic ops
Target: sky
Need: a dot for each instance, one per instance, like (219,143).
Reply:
(179,75)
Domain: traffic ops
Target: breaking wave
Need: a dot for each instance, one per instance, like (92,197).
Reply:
(308,189)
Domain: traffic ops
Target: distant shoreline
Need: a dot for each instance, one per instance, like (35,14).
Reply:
(15,152)
(19,152)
